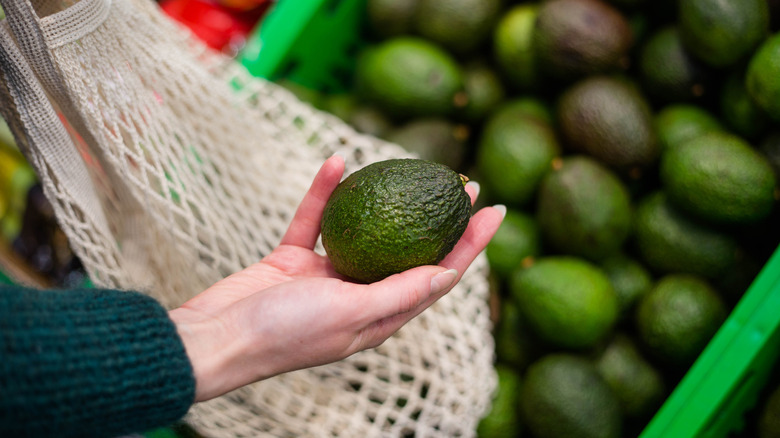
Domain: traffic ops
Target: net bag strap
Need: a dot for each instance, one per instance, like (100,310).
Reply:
(40,130)
(103,205)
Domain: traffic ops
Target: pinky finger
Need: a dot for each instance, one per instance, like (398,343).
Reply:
(482,226)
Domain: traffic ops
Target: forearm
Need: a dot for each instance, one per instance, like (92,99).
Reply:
(88,363)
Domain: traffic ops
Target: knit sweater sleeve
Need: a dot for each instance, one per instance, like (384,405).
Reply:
(89,363)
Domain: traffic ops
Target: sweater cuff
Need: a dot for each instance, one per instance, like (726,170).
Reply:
(89,363)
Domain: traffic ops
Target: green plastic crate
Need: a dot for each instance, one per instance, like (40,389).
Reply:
(314,42)
(310,42)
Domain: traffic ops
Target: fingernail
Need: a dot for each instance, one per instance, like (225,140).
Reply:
(443,280)
(340,154)
(501,209)
(475,186)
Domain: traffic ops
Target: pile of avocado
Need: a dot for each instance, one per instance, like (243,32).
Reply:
(636,144)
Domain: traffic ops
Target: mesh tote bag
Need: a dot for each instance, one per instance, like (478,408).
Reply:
(170,167)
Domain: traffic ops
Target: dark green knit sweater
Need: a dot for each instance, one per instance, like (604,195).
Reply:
(88,363)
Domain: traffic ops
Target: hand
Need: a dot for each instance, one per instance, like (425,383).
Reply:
(291,310)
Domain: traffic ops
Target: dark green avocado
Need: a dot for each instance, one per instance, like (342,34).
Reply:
(394,215)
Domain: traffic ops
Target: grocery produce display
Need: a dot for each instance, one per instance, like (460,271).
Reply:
(635,145)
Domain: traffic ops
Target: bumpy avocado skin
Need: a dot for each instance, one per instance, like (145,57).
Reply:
(393,215)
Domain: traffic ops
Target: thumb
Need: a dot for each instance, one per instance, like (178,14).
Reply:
(408,290)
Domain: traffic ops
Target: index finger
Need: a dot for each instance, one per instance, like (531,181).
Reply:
(402,308)
(304,229)
(481,228)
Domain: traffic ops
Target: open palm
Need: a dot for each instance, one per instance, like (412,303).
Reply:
(291,310)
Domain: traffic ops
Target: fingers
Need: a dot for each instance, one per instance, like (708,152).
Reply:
(390,303)
(402,296)
(481,229)
(305,225)
(387,305)
(404,292)
(472,188)
(482,226)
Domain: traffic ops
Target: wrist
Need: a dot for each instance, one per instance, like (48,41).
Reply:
(212,352)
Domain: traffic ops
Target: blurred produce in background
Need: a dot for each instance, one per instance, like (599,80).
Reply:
(635,144)
(33,249)
(222,24)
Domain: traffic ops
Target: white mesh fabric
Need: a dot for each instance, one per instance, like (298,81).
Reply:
(191,179)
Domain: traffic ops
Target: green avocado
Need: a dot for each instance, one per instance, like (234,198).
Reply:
(722,33)
(503,419)
(635,381)
(667,71)
(573,39)
(719,178)
(408,77)
(567,301)
(609,118)
(678,317)
(432,138)
(670,241)
(583,208)
(394,215)
(563,395)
